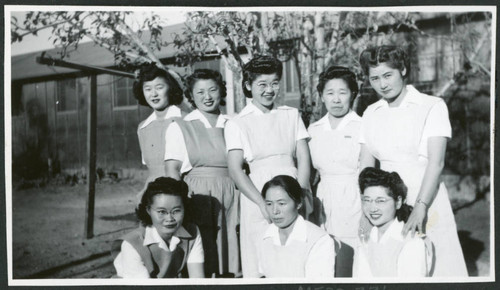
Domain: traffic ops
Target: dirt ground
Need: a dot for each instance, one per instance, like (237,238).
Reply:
(48,226)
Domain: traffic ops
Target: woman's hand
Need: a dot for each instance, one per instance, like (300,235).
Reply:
(416,221)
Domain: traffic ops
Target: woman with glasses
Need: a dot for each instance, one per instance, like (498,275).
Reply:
(164,246)
(387,253)
(199,155)
(407,132)
(335,154)
(267,137)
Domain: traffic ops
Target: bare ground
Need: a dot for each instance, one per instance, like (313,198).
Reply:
(48,231)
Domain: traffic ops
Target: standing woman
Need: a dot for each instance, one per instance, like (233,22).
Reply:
(335,154)
(268,138)
(157,89)
(199,153)
(407,132)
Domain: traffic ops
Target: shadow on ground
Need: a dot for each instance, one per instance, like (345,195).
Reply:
(472,250)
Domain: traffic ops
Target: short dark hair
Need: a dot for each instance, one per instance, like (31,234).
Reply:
(148,72)
(260,65)
(371,176)
(394,56)
(338,72)
(161,185)
(289,184)
(205,74)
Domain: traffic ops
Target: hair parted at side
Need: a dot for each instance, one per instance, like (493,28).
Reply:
(148,72)
(338,72)
(205,74)
(371,176)
(289,184)
(394,56)
(260,65)
(161,185)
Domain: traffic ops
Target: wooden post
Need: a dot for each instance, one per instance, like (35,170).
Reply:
(91,157)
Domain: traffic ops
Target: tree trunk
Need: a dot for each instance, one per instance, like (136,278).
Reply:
(319,61)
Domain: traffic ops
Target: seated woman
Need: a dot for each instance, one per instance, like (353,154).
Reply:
(387,253)
(292,246)
(162,247)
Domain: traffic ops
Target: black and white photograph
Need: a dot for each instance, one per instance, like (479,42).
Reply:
(249,145)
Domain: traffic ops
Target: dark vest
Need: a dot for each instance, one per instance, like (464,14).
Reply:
(206,147)
(161,263)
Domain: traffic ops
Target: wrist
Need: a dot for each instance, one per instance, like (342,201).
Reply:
(422,203)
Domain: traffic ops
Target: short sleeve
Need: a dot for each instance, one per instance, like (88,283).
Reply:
(361,267)
(437,123)
(139,138)
(128,263)
(175,146)
(196,255)
(412,259)
(321,259)
(233,136)
(301,130)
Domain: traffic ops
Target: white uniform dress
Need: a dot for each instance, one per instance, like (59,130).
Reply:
(335,154)
(309,252)
(397,137)
(392,255)
(268,141)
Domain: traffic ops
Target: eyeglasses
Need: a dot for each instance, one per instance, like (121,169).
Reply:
(161,213)
(378,201)
(263,86)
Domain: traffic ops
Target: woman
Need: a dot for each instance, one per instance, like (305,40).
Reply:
(291,246)
(157,89)
(199,153)
(407,132)
(388,253)
(268,138)
(335,154)
(162,247)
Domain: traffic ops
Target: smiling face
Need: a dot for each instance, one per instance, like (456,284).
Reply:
(206,95)
(388,82)
(167,214)
(337,97)
(281,207)
(379,207)
(156,93)
(264,89)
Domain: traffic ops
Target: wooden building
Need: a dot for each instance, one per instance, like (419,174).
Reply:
(49,104)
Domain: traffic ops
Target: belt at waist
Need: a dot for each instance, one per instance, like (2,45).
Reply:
(339,177)
(272,161)
(208,172)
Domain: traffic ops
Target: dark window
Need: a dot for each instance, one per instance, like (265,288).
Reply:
(66,95)
(16,99)
(123,95)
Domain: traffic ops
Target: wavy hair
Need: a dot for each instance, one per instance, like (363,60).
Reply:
(371,176)
(148,72)
(205,74)
(161,185)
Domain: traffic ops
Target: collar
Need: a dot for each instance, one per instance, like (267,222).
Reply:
(412,97)
(151,236)
(250,108)
(172,111)
(197,115)
(393,232)
(299,232)
(325,123)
